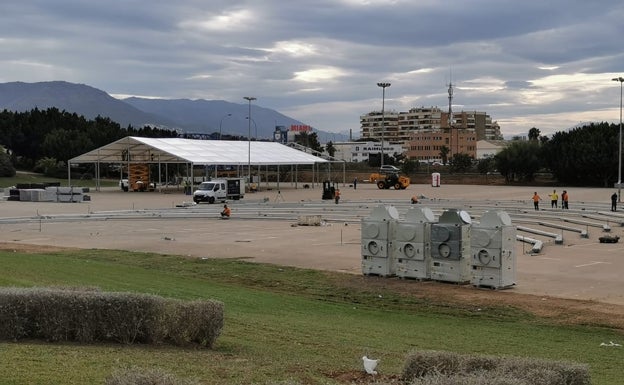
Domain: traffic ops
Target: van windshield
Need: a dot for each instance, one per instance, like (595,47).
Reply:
(207,186)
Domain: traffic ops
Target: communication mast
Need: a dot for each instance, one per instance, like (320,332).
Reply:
(450,117)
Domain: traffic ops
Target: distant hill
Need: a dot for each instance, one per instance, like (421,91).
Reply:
(207,116)
(185,115)
(79,98)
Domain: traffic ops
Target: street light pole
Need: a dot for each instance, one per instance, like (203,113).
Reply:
(249,99)
(383,116)
(221,122)
(620,79)
(255,128)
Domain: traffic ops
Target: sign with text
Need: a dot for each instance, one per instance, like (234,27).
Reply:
(300,128)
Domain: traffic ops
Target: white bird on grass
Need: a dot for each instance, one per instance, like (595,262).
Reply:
(370,365)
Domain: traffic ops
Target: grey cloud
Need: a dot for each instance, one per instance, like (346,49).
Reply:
(493,50)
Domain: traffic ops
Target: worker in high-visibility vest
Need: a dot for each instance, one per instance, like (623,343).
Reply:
(225,214)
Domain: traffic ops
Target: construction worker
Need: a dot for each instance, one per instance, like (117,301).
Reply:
(564,200)
(536,199)
(554,197)
(414,199)
(225,214)
(337,195)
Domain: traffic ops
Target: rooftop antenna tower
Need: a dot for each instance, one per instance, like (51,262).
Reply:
(450,115)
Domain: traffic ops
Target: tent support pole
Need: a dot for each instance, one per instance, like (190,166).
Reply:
(159,174)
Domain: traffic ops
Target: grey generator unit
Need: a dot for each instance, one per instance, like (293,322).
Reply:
(411,245)
(450,247)
(376,235)
(492,249)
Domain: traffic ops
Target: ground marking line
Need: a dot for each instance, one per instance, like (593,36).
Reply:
(591,264)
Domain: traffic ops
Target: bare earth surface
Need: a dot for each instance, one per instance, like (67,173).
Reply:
(577,282)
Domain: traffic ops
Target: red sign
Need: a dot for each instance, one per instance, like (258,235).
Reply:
(300,128)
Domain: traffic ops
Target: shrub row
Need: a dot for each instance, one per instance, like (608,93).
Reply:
(92,316)
(137,376)
(447,368)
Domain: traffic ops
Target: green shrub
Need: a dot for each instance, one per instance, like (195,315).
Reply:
(430,362)
(197,321)
(93,316)
(14,320)
(536,371)
(470,379)
(137,376)
(423,366)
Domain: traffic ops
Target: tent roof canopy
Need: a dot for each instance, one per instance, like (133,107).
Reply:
(200,152)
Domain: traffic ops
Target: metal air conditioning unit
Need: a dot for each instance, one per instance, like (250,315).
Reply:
(411,244)
(450,247)
(492,248)
(376,241)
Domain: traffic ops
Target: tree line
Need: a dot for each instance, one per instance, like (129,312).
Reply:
(42,138)
(583,156)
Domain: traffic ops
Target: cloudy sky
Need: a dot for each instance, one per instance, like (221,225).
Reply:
(531,63)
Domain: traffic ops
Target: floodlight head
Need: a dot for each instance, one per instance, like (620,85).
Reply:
(618,79)
(383,85)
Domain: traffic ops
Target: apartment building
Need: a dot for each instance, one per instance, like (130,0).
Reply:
(423,131)
(400,126)
(426,145)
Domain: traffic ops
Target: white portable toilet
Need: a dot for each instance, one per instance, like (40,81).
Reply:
(411,244)
(435,179)
(450,247)
(376,235)
(492,248)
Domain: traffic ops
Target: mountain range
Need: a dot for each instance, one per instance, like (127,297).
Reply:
(185,115)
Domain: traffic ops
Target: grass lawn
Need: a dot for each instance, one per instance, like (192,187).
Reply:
(281,324)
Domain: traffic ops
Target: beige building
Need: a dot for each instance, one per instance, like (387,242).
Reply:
(427,145)
(398,127)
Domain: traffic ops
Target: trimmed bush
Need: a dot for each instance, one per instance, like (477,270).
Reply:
(545,371)
(434,367)
(471,379)
(92,316)
(146,377)
(194,322)
(431,362)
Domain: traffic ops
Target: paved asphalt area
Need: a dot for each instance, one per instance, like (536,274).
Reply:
(264,228)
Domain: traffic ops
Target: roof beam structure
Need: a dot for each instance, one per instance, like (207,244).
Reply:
(197,152)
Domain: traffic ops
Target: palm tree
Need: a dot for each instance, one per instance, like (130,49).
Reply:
(444,151)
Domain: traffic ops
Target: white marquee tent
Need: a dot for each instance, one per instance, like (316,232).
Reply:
(132,149)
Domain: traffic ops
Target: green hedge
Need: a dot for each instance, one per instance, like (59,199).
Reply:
(447,368)
(92,316)
(137,376)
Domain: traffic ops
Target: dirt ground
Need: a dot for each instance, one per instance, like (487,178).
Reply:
(575,283)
